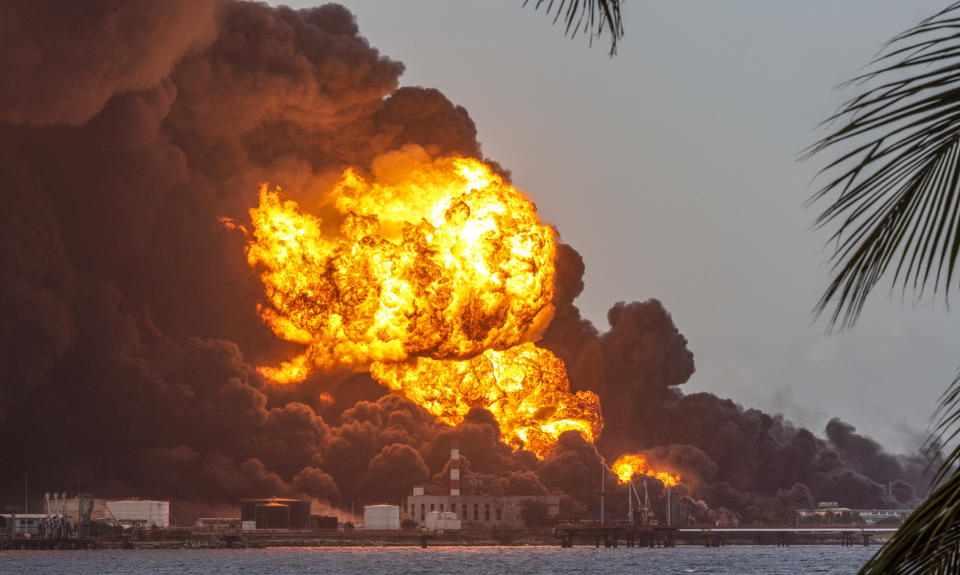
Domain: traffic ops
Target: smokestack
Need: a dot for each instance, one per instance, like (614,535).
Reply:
(454,467)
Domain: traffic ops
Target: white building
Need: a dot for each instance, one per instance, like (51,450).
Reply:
(475,506)
(23,524)
(443,521)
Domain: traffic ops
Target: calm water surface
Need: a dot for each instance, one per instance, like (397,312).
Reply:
(483,560)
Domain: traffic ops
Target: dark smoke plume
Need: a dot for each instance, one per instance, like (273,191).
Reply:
(129,330)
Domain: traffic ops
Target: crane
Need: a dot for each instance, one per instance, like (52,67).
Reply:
(643,505)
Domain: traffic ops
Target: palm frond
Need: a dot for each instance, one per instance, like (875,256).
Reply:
(896,191)
(591,17)
(928,542)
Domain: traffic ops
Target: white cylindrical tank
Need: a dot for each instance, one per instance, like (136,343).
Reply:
(139,511)
(381,517)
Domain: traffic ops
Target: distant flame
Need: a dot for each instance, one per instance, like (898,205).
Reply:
(626,466)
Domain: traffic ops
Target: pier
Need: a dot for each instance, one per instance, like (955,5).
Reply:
(607,535)
(610,535)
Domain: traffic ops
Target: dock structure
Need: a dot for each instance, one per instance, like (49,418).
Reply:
(784,535)
(610,535)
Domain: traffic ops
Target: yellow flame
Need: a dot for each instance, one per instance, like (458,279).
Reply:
(630,464)
(436,276)
(524,387)
(446,262)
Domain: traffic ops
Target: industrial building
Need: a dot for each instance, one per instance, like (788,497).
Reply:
(21,524)
(478,506)
(274,513)
(829,513)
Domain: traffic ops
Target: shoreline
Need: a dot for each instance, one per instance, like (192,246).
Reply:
(194,539)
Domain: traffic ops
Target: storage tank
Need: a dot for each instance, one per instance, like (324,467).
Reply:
(138,512)
(381,517)
(298,512)
(273,516)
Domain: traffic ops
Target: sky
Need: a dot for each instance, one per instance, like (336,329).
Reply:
(673,169)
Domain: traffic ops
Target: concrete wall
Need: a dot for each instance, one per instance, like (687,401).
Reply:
(443,521)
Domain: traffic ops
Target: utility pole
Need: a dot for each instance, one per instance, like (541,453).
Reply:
(646,503)
(26,493)
(603,490)
(669,522)
(669,499)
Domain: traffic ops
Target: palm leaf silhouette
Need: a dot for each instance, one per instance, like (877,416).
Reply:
(896,203)
(591,17)
(895,194)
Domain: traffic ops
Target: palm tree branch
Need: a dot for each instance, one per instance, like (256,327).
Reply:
(928,542)
(592,17)
(895,196)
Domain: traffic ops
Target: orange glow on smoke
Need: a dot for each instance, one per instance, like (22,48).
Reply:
(626,466)
(436,276)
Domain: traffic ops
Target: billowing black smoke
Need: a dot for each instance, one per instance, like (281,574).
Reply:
(128,128)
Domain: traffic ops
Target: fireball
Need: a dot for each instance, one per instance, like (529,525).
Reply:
(436,276)
(446,262)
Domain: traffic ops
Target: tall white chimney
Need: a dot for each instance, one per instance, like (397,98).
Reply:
(454,467)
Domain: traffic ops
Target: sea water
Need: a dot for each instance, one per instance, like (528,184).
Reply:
(740,560)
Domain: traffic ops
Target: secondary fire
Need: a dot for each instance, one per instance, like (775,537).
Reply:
(630,464)
(437,280)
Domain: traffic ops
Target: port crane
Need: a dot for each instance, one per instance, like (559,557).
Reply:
(643,505)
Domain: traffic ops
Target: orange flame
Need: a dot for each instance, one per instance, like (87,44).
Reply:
(630,464)
(447,263)
(436,277)
(524,387)
(231,224)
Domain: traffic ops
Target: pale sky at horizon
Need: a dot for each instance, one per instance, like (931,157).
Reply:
(672,168)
